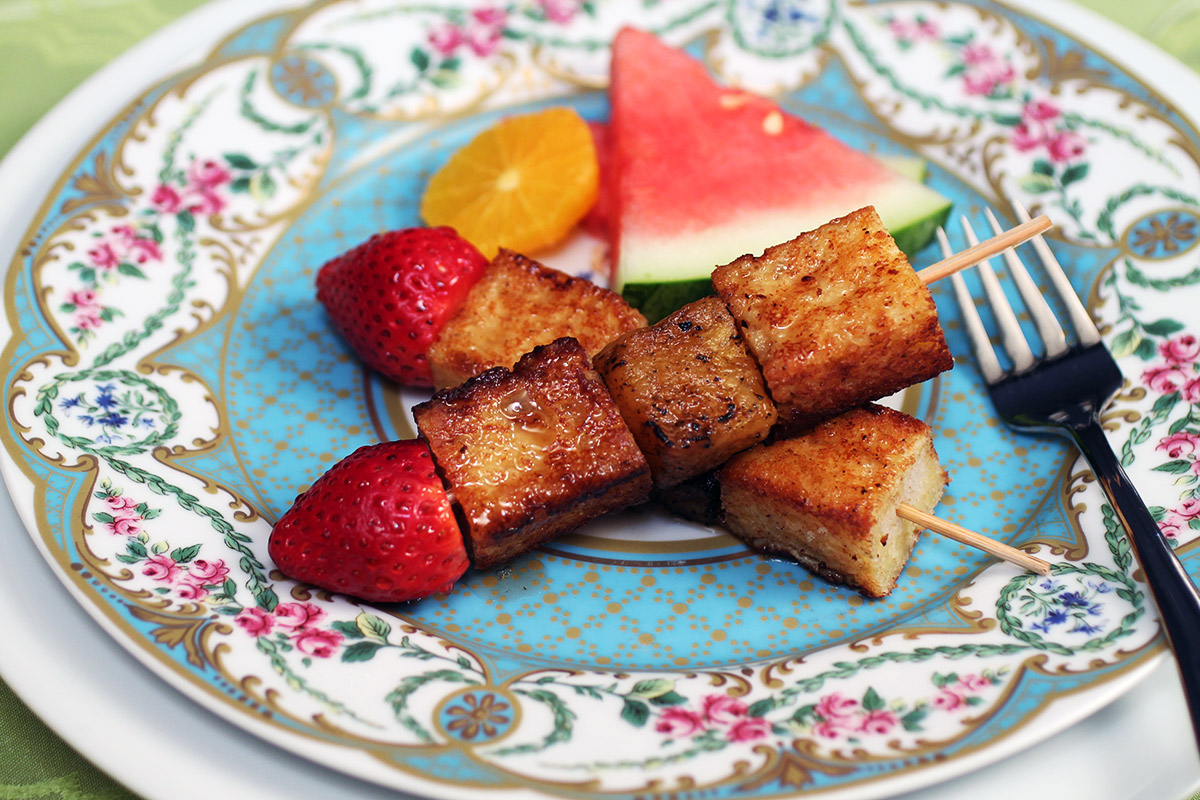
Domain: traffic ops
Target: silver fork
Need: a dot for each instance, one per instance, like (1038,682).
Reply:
(1063,392)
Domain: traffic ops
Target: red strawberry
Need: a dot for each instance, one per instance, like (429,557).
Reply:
(378,526)
(390,296)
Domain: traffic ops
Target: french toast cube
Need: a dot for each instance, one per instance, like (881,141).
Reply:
(828,498)
(836,317)
(697,499)
(689,390)
(519,304)
(532,452)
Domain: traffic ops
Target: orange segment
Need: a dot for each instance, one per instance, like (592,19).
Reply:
(523,184)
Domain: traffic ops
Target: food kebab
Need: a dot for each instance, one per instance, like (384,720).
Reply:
(537,450)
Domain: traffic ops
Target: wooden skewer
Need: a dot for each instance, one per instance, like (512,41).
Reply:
(986,249)
(973,539)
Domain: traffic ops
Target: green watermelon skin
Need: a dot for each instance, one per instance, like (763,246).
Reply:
(661,299)
(702,174)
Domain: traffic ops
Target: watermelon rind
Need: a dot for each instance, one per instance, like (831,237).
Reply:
(912,167)
(912,217)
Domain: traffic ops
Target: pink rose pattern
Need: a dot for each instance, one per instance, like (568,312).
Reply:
(560,12)
(201,191)
(982,71)
(479,33)
(123,251)
(909,32)
(1176,380)
(839,717)
(293,625)
(178,573)
(1037,126)
(129,249)
(1043,127)
(721,720)
(124,516)
(985,72)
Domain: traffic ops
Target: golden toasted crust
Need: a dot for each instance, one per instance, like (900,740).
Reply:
(519,304)
(689,390)
(836,317)
(828,498)
(532,452)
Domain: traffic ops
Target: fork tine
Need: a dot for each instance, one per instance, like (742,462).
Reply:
(1010,330)
(989,365)
(1053,338)
(1081,321)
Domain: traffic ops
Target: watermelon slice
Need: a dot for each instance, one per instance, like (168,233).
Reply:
(701,174)
(599,219)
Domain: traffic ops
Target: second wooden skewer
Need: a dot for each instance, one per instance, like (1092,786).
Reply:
(972,539)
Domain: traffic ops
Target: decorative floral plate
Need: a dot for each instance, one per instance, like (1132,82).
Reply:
(172,385)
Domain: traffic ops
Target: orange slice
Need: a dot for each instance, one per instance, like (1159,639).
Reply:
(522,184)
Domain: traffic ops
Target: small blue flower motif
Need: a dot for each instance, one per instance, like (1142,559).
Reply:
(1055,617)
(785,12)
(1072,600)
(105,398)
(1049,604)
(88,419)
(114,420)
(778,26)
(70,402)
(147,422)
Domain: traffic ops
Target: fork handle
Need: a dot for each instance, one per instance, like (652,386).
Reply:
(1174,592)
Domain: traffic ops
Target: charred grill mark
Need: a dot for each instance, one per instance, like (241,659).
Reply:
(659,433)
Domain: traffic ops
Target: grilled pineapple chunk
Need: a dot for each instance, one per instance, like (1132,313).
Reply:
(689,391)
(836,317)
(532,452)
(828,498)
(519,304)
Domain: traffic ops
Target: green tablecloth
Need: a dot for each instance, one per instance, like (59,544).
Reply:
(48,47)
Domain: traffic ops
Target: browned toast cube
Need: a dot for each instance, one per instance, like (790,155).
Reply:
(532,452)
(836,317)
(519,304)
(828,498)
(697,499)
(689,390)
